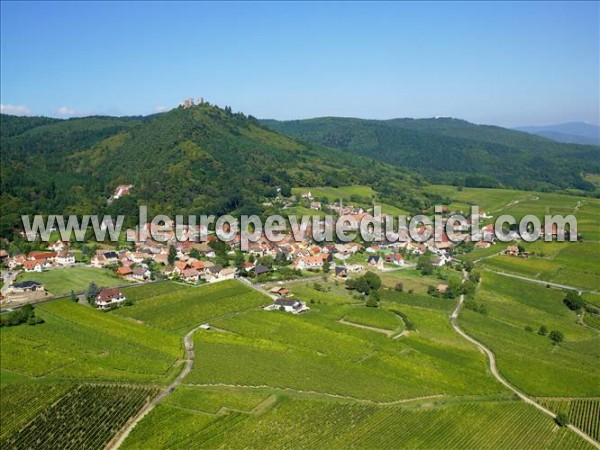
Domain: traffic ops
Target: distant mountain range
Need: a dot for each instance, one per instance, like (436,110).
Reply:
(570,133)
(454,151)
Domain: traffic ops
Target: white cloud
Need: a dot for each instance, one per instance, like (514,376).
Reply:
(160,109)
(16,110)
(65,111)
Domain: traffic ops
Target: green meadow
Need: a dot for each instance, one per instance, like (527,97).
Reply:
(63,281)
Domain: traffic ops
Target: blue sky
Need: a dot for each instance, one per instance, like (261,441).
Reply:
(502,63)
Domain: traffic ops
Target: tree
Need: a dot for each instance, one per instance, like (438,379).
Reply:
(543,331)
(194,253)
(468,265)
(373,299)
(73,297)
(399,287)
(172,255)
(286,191)
(239,261)
(556,336)
(92,292)
(574,301)
(362,285)
(521,248)
(562,419)
(373,280)
(326,266)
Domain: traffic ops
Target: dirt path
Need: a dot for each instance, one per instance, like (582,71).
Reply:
(188,344)
(324,394)
(542,282)
(494,370)
(388,333)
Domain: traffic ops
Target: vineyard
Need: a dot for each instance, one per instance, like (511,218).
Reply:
(316,424)
(180,310)
(86,417)
(583,413)
(20,403)
(316,353)
(78,342)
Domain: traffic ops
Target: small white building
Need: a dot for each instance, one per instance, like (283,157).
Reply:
(289,305)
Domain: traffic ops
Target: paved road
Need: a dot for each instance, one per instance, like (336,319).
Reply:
(542,282)
(188,344)
(494,370)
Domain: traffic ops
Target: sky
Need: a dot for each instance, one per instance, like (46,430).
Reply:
(502,63)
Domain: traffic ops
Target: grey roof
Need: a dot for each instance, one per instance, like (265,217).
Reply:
(282,301)
(27,284)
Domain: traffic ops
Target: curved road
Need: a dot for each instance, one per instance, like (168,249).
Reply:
(492,361)
(188,344)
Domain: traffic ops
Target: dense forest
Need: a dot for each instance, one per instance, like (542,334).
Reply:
(199,160)
(454,151)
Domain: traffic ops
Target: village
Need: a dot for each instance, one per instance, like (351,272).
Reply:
(195,263)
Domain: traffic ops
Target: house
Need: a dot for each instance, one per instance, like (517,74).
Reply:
(33,266)
(376,262)
(512,250)
(315,206)
(161,258)
(109,297)
(311,262)
(191,275)
(289,305)
(281,291)
(18,260)
(124,271)
(227,273)
(141,273)
(121,190)
(395,258)
(41,256)
(27,286)
(260,270)
(103,258)
(438,261)
(341,272)
(64,258)
(248,266)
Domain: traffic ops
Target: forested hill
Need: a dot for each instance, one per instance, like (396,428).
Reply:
(196,160)
(454,151)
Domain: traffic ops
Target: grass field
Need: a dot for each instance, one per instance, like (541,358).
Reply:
(305,422)
(525,358)
(63,281)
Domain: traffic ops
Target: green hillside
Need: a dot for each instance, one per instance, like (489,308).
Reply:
(203,159)
(453,151)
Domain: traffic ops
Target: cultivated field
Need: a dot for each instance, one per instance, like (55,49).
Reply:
(531,361)
(78,342)
(178,308)
(291,421)
(87,416)
(584,413)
